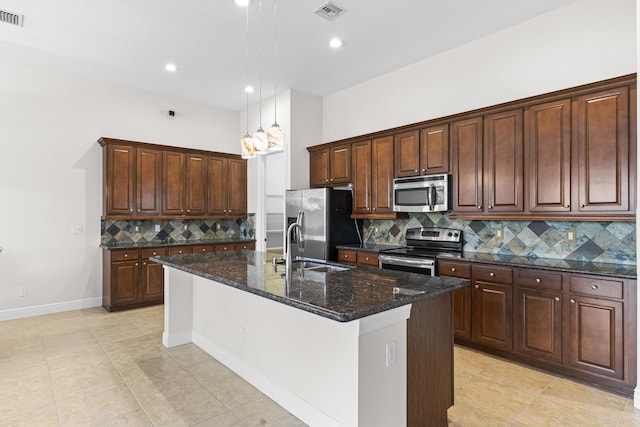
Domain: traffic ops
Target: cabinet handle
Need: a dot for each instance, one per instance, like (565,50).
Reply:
(491,274)
(557,298)
(572,301)
(594,287)
(477,286)
(538,280)
(453,269)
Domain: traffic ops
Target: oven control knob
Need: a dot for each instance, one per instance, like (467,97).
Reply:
(450,234)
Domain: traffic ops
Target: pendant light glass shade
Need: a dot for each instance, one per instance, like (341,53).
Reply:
(260,141)
(248,150)
(275,136)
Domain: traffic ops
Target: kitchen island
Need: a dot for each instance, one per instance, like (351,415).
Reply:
(334,346)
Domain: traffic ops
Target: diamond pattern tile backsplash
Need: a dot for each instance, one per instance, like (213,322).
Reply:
(610,242)
(176,230)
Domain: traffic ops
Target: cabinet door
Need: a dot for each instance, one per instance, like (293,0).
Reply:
(596,336)
(125,277)
(492,317)
(382,175)
(319,168)
(237,188)
(603,151)
(538,324)
(120,180)
(361,166)
(152,281)
(461,297)
(195,184)
(407,154)
(149,181)
(466,164)
(340,164)
(173,183)
(503,168)
(434,150)
(216,186)
(548,156)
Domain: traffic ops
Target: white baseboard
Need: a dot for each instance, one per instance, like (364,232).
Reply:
(289,401)
(176,338)
(58,307)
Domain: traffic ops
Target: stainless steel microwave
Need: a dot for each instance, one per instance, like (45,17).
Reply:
(428,193)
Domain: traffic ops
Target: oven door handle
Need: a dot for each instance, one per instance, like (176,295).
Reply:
(409,262)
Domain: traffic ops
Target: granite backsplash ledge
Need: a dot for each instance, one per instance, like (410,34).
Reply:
(175,230)
(608,242)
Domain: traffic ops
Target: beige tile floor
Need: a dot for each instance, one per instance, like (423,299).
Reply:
(93,368)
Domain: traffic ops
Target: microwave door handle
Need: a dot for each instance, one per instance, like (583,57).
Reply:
(431,196)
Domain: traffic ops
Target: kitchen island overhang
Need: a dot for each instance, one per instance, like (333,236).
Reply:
(329,347)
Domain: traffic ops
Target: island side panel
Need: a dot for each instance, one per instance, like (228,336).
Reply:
(430,362)
(178,307)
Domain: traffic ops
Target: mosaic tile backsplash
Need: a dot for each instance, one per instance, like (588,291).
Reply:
(175,230)
(610,242)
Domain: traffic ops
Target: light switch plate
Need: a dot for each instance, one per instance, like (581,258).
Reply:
(570,235)
(76,230)
(499,233)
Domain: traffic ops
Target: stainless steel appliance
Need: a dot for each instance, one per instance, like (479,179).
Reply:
(424,245)
(324,218)
(428,193)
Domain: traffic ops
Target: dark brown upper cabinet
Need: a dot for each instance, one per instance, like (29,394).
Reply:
(422,152)
(330,166)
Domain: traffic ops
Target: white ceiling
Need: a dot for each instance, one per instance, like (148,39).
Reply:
(128,42)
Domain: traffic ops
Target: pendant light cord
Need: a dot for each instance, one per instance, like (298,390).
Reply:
(275,64)
(260,56)
(247,70)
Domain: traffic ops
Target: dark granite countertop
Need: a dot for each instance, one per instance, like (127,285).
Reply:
(343,296)
(568,266)
(145,245)
(367,247)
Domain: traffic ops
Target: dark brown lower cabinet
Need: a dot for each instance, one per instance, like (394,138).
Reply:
(579,325)
(461,297)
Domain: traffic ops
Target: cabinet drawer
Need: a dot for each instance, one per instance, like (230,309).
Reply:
(593,285)
(367,258)
(348,257)
(179,250)
(489,273)
(225,247)
(248,246)
(454,269)
(539,279)
(199,249)
(126,255)
(146,253)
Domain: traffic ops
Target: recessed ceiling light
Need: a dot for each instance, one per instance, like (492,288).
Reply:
(243,2)
(172,68)
(335,43)
(248,89)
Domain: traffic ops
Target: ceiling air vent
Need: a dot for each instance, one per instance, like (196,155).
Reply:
(329,11)
(11,18)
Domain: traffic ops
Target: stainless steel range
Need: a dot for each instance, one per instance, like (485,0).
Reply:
(424,245)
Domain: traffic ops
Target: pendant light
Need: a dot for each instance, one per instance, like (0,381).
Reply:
(275,134)
(247,148)
(260,141)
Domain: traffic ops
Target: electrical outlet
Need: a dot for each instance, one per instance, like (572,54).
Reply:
(23,291)
(186,227)
(76,230)
(136,228)
(499,233)
(390,354)
(217,226)
(156,228)
(570,235)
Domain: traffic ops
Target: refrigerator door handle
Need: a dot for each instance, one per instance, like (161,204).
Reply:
(300,235)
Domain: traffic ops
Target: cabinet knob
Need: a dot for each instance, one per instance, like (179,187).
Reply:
(136,264)
(182,210)
(582,205)
(477,286)
(567,206)
(138,210)
(225,211)
(416,171)
(490,207)
(374,209)
(126,255)
(188,210)
(453,269)
(572,301)
(346,256)
(327,180)
(366,259)
(594,287)
(131,210)
(204,250)
(144,263)
(180,251)
(331,180)
(491,274)
(557,298)
(154,253)
(538,280)
(479,207)
(424,170)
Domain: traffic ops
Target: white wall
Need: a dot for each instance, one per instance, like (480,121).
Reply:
(583,42)
(51,176)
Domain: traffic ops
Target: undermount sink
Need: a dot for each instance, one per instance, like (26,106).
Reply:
(320,267)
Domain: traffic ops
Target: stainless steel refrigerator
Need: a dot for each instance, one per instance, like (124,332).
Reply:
(324,215)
